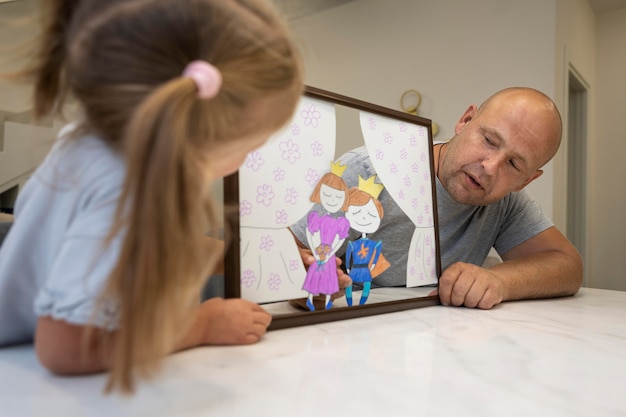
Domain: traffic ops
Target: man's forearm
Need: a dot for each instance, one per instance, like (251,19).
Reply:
(541,275)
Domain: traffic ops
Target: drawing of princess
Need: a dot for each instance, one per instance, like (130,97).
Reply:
(325,234)
(365,212)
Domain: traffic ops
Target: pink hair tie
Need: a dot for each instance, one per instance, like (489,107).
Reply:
(206,76)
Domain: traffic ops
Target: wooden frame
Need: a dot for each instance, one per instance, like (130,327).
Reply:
(233,253)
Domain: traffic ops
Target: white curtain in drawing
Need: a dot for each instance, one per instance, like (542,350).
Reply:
(399,152)
(275,185)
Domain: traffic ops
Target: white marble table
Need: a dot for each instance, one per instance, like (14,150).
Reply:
(562,357)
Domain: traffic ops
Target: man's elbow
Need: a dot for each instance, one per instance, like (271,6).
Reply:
(575,273)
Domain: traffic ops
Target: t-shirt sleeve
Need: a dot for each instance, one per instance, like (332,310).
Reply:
(80,270)
(72,292)
(524,219)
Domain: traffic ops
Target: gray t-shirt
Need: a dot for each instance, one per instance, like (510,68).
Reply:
(466,233)
(52,262)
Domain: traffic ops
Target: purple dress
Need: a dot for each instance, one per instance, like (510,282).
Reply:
(321,277)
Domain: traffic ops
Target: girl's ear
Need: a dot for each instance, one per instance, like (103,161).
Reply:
(467,117)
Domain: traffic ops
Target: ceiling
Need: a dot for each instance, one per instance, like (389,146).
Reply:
(300,8)
(601,6)
(295,9)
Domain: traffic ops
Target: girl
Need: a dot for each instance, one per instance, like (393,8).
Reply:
(325,234)
(110,240)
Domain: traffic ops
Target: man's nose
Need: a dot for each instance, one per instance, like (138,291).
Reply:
(491,164)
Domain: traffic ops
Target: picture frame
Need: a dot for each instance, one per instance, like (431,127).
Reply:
(305,140)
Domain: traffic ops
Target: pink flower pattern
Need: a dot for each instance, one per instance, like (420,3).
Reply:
(317,148)
(279,174)
(265,194)
(254,161)
(245,208)
(292,196)
(266,243)
(311,115)
(311,177)
(274,282)
(293,265)
(248,278)
(289,151)
(281,216)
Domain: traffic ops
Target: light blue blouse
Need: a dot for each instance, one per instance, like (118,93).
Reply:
(53,262)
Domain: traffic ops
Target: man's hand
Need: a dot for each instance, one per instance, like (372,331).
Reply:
(471,286)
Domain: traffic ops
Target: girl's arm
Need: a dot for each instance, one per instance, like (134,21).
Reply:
(58,345)
(217,321)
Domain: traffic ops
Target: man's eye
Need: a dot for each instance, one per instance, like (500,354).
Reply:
(512,163)
(488,140)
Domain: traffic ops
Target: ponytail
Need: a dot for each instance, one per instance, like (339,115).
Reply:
(166,215)
(48,70)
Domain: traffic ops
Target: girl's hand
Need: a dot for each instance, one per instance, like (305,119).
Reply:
(231,322)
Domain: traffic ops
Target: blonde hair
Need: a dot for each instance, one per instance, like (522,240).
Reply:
(122,60)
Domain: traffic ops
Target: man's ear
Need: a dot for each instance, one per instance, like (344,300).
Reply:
(469,114)
(533,177)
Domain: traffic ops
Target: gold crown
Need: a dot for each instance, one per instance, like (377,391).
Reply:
(370,187)
(337,168)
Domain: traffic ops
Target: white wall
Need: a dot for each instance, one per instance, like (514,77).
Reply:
(455,52)
(22,145)
(608,193)
(575,51)
(595,47)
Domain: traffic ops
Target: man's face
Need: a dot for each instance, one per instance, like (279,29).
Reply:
(496,151)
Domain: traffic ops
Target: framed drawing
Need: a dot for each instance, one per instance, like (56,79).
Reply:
(294,193)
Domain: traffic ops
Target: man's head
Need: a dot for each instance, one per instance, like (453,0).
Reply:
(500,147)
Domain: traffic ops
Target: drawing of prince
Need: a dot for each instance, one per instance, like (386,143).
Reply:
(365,212)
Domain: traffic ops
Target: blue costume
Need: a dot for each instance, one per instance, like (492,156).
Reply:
(360,255)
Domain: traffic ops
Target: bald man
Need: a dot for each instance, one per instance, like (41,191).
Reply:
(497,150)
